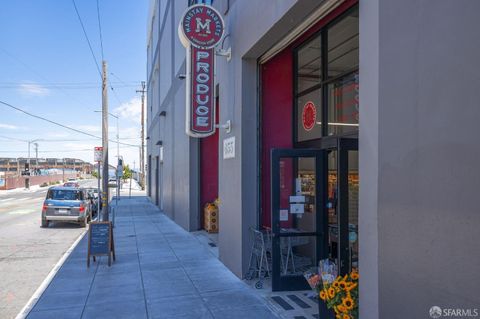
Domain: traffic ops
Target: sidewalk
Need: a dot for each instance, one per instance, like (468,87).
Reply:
(161,271)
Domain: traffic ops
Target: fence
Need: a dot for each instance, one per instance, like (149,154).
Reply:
(19,181)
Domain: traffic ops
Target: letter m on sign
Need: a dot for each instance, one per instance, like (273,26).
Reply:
(203,26)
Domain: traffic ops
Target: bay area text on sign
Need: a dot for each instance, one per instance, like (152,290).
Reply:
(229,147)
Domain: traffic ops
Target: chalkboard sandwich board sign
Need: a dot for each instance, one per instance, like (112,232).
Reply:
(100,241)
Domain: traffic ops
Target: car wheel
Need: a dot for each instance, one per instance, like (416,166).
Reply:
(44,223)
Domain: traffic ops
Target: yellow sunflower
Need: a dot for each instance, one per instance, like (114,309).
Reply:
(348,303)
(323,296)
(354,276)
(335,284)
(345,316)
(331,292)
(342,284)
(351,286)
(341,308)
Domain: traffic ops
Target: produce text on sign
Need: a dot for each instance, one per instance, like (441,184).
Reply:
(202,103)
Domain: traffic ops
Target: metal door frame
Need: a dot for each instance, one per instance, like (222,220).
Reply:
(280,282)
(342,145)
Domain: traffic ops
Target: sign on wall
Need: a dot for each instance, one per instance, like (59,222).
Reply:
(200,30)
(309,115)
(229,148)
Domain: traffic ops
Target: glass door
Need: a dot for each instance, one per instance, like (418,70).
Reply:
(296,226)
(341,184)
(314,210)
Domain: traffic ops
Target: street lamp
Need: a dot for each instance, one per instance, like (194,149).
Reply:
(30,142)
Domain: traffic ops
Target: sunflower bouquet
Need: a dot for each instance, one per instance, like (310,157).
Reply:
(342,295)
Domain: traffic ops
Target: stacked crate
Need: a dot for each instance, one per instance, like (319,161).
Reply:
(211,218)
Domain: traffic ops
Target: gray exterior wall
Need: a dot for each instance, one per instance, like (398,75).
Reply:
(419,155)
(254,27)
(178,189)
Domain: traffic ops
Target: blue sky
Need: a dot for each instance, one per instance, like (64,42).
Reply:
(47,69)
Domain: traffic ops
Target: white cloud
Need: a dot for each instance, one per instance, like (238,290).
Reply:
(33,89)
(130,110)
(9,127)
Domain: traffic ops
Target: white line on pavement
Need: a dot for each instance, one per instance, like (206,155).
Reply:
(38,293)
(25,198)
(6,200)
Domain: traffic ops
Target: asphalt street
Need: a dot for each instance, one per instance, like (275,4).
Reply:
(27,251)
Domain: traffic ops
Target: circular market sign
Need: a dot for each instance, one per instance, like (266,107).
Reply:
(201,26)
(309,116)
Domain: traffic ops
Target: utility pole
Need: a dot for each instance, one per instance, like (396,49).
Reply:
(142,151)
(105,142)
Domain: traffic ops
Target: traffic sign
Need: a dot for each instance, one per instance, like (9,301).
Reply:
(98,154)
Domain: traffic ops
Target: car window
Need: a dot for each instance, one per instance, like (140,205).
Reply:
(64,194)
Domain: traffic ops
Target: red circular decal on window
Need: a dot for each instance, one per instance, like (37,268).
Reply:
(309,115)
(202,26)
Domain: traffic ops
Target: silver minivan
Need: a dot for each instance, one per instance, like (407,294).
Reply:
(66,204)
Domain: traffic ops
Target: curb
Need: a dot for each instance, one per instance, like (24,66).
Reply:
(40,290)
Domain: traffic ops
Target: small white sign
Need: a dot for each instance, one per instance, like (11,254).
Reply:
(297,199)
(229,148)
(161,154)
(98,154)
(283,215)
(297,208)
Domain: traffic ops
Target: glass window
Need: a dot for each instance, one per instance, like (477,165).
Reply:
(337,80)
(309,65)
(64,194)
(309,116)
(343,45)
(343,105)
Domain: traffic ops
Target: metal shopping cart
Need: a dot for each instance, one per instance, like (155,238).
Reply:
(260,257)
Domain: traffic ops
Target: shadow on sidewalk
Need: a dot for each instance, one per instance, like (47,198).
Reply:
(161,271)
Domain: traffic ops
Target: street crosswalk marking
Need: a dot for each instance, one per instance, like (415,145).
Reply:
(5,200)
(21,211)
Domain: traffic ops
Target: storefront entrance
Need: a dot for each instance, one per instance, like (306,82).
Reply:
(314,210)
(309,150)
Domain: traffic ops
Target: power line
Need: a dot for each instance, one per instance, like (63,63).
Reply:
(127,83)
(32,70)
(13,139)
(61,87)
(100,29)
(88,40)
(47,120)
(115,95)
(61,125)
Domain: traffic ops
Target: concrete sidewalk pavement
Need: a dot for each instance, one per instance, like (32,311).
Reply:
(161,271)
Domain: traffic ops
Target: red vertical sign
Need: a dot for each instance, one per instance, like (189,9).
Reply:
(202,107)
(200,30)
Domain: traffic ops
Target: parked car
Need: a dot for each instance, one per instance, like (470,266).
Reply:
(71,184)
(66,204)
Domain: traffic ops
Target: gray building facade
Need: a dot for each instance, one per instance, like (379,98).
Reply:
(410,190)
